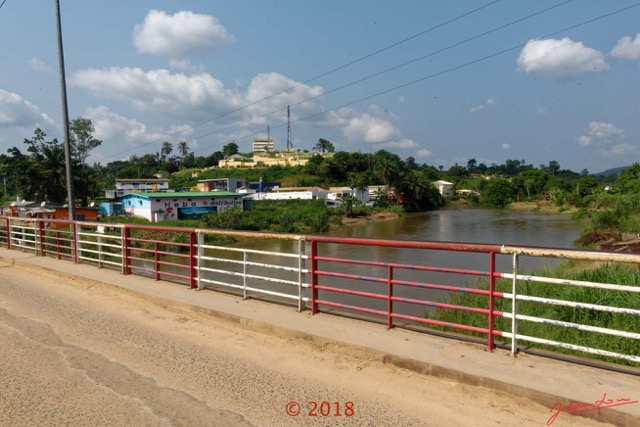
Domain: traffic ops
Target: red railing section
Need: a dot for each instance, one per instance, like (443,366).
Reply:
(161,258)
(392,284)
(328,275)
(58,239)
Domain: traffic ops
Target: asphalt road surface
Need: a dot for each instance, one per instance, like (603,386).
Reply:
(77,354)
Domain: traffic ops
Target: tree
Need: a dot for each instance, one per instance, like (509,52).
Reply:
(324,146)
(358,181)
(471,165)
(411,163)
(457,173)
(554,167)
(387,167)
(535,181)
(183,149)
(418,192)
(498,193)
(41,174)
(82,142)
(81,139)
(166,149)
(230,149)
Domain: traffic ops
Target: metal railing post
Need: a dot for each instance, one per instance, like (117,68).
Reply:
(8,234)
(39,240)
(314,277)
(300,267)
(200,254)
(245,258)
(126,252)
(389,297)
(492,300)
(100,254)
(193,253)
(74,242)
(156,258)
(514,307)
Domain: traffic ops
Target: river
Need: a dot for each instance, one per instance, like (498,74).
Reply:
(471,225)
(499,226)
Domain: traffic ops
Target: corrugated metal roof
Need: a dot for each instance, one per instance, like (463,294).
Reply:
(184,195)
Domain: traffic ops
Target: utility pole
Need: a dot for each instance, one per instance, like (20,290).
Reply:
(289,142)
(65,118)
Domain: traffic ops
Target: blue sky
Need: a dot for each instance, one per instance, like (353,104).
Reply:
(212,72)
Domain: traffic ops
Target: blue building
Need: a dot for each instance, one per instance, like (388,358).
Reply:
(158,207)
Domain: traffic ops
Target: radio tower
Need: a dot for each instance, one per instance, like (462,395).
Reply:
(289,142)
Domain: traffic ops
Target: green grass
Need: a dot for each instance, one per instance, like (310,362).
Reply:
(611,273)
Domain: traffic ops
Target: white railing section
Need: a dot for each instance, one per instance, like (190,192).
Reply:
(24,234)
(565,254)
(97,244)
(210,271)
(282,274)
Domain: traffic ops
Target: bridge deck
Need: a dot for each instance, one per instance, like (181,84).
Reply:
(540,379)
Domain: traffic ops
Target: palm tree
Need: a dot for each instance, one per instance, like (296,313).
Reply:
(166,149)
(183,148)
(386,166)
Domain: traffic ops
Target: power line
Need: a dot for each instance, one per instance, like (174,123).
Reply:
(394,68)
(446,71)
(355,61)
(3,2)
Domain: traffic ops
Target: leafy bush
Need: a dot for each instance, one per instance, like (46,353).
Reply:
(609,273)
(499,193)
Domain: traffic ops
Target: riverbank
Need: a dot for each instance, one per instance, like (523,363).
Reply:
(374,217)
(542,206)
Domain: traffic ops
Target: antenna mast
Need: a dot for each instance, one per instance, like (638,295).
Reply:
(289,142)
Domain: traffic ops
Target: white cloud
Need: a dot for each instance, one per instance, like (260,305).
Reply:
(370,129)
(620,149)
(179,34)
(423,153)
(584,140)
(505,146)
(401,144)
(17,111)
(560,59)
(289,92)
(201,96)
(605,131)
(115,129)
(627,48)
(39,65)
(541,111)
(186,65)
(606,138)
(180,132)
(488,103)
(401,99)
(157,90)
